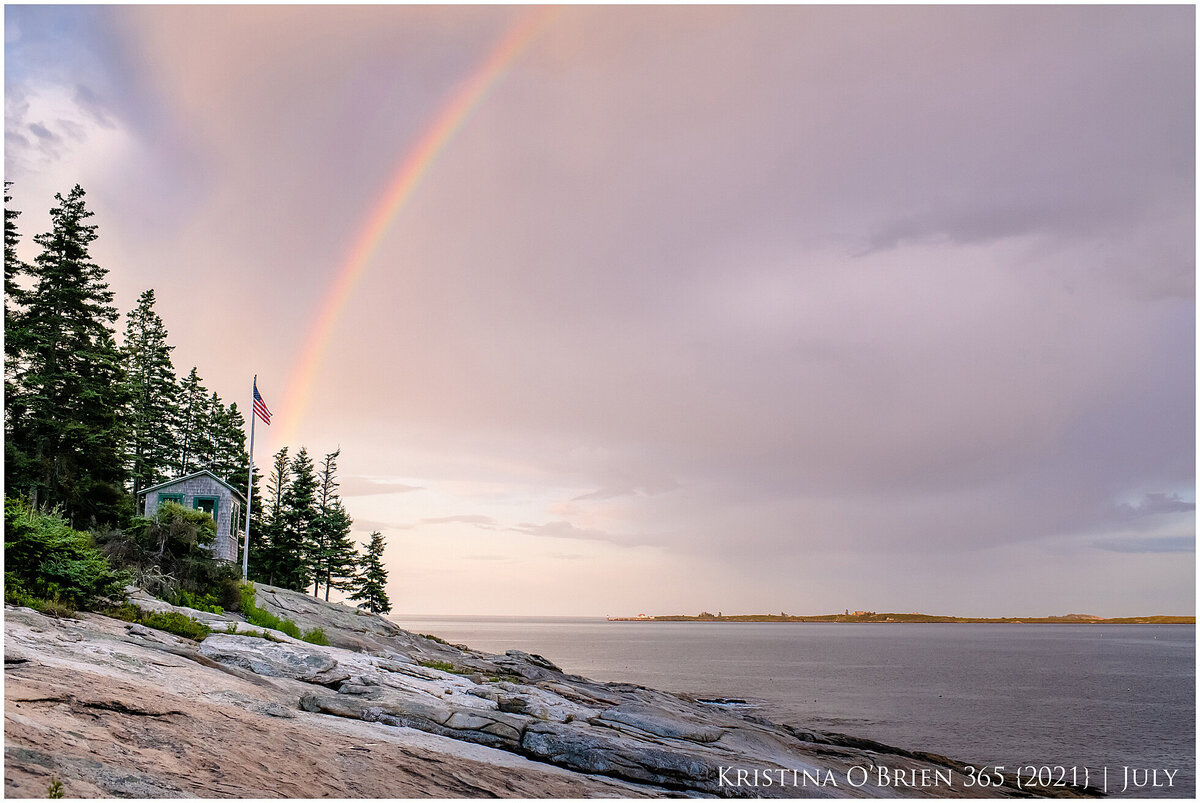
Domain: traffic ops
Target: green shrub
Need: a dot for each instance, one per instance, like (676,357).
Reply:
(13,595)
(45,559)
(128,612)
(172,622)
(186,599)
(257,616)
(178,624)
(316,636)
(169,556)
(55,607)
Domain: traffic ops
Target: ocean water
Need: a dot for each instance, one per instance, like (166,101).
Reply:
(1096,696)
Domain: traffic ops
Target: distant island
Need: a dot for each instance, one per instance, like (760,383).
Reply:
(910,618)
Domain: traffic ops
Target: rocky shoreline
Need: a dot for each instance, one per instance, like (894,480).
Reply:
(113,709)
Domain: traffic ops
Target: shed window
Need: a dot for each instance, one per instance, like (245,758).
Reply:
(176,498)
(206,503)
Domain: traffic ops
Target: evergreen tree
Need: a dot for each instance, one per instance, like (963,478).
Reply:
(14,337)
(13,266)
(371,584)
(334,555)
(210,421)
(293,547)
(191,421)
(69,386)
(14,295)
(229,444)
(150,383)
(265,558)
(257,535)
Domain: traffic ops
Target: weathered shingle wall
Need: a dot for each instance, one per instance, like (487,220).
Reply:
(226,545)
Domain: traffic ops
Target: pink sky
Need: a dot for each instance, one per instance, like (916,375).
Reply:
(749,308)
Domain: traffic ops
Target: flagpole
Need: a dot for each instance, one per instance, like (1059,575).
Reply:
(249,486)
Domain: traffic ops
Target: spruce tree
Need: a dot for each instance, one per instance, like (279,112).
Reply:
(205,443)
(293,545)
(334,554)
(229,445)
(257,523)
(13,266)
(14,338)
(69,386)
(371,585)
(150,382)
(266,558)
(191,420)
(14,295)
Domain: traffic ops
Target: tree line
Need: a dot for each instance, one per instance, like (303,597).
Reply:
(90,422)
(305,536)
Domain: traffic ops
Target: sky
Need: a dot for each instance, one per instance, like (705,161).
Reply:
(739,309)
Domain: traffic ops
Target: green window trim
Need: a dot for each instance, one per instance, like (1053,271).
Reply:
(176,498)
(216,502)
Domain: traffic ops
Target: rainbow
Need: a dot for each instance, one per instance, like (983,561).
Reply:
(413,167)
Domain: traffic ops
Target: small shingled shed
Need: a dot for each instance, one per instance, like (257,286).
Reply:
(205,491)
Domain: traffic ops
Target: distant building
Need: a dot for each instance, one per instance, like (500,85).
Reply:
(205,491)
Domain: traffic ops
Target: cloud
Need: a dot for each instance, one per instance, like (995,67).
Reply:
(367,486)
(42,133)
(933,289)
(564,529)
(1152,544)
(1153,504)
(371,525)
(484,522)
(615,491)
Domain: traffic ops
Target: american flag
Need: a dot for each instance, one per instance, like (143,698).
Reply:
(260,407)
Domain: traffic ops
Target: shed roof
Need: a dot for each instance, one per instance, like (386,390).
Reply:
(240,496)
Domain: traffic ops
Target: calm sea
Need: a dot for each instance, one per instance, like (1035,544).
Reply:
(1112,696)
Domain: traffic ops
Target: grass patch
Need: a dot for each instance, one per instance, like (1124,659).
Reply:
(434,638)
(262,634)
(232,630)
(171,622)
(178,624)
(446,666)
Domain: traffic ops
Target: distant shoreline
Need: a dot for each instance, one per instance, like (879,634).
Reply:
(870,617)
